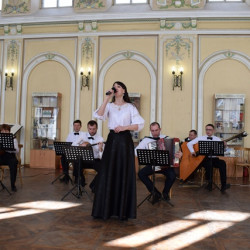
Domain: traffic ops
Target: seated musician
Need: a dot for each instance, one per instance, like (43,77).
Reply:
(87,139)
(216,162)
(72,137)
(9,158)
(192,135)
(145,172)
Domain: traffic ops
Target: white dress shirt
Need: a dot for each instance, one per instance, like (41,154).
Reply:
(190,144)
(72,137)
(84,137)
(124,115)
(144,145)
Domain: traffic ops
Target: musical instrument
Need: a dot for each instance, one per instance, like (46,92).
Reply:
(87,144)
(190,163)
(170,144)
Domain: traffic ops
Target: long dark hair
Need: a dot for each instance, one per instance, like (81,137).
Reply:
(125,96)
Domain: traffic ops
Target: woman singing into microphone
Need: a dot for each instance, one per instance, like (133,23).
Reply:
(116,189)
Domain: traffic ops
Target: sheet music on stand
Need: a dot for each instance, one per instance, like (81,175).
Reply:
(153,157)
(211,148)
(60,147)
(7,141)
(60,151)
(78,154)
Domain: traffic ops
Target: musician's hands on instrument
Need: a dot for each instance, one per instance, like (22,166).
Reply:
(85,144)
(100,146)
(178,154)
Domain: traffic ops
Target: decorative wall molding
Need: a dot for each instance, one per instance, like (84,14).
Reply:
(177,4)
(92,5)
(163,40)
(178,25)
(12,61)
(207,63)
(26,73)
(139,57)
(176,45)
(16,7)
(87,58)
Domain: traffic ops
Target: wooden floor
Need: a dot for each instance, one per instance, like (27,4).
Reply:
(36,218)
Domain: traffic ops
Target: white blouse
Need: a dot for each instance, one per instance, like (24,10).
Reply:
(124,115)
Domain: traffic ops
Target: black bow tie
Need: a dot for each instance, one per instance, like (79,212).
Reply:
(156,138)
(76,133)
(210,138)
(91,138)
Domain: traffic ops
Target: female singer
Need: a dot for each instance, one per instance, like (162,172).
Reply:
(116,189)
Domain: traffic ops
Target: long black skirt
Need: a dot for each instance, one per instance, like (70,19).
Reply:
(116,188)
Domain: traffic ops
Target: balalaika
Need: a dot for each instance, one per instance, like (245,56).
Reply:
(170,144)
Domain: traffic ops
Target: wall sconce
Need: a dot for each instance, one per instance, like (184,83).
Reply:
(9,79)
(85,78)
(177,80)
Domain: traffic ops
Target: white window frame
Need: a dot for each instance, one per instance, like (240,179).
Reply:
(130,3)
(225,1)
(57,5)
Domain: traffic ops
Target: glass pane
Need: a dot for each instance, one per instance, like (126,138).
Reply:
(65,3)
(49,3)
(139,1)
(122,1)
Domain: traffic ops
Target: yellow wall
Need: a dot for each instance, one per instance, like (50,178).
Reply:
(147,45)
(63,46)
(212,44)
(48,77)
(226,77)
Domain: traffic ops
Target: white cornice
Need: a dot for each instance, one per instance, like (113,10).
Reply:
(138,12)
(130,33)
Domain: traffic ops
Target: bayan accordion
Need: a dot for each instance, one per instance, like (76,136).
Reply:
(170,144)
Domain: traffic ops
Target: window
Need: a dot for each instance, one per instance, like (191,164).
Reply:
(0,5)
(56,3)
(130,1)
(226,1)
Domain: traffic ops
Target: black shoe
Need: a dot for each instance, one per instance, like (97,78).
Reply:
(165,197)
(209,187)
(83,183)
(156,197)
(224,187)
(14,189)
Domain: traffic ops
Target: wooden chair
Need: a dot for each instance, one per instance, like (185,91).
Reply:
(4,167)
(242,159)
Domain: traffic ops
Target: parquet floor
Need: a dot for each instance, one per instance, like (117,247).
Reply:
(36,218)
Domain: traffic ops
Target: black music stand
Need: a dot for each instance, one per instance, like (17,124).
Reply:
(6,143)
(154,158)
(209,149)
(78,154)
(59,147)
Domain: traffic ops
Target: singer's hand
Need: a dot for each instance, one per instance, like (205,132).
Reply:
(110,93)
(119,129)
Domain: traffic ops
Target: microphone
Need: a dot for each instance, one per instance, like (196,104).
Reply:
(109,92)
